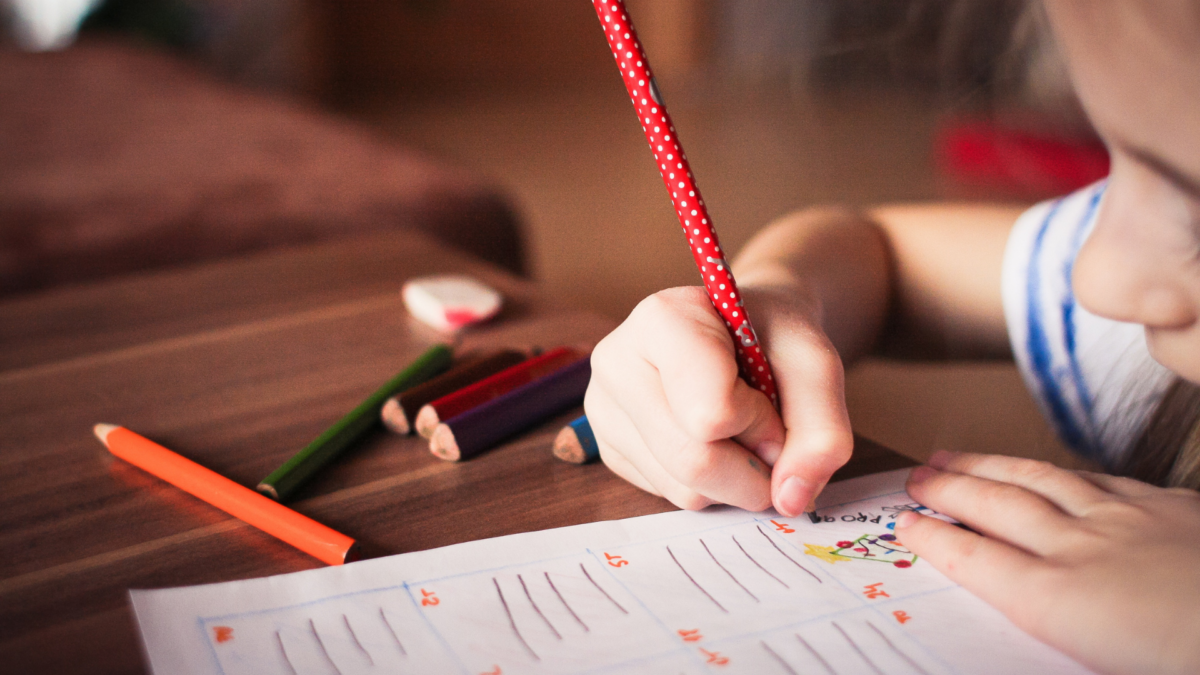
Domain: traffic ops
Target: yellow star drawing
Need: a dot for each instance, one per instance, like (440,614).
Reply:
(825,553)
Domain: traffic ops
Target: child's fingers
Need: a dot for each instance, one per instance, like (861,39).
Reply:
(694,356)
(997,509)
(689,473)
(1119,485)
(622,450)
(1063,488)
(997,573)
(819,439)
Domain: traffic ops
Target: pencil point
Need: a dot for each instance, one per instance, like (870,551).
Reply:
(268,490)
(812,515)
(102,431)
(568,448)
(443,445)
(426,421)
(393,417)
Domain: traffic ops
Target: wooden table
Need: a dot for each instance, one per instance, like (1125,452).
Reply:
(237,365)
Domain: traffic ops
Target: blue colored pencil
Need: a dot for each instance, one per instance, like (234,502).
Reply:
(576,443)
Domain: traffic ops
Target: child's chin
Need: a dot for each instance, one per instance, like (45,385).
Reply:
(1178,350)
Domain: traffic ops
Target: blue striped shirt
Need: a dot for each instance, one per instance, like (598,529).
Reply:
(1093,377)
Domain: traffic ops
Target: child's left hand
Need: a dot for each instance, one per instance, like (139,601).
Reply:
(1105,569)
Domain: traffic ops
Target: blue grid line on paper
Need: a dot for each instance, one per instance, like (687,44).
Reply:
(406,587)
(867,604)
(211,649)
(666,629)
(436,633)
(823,617)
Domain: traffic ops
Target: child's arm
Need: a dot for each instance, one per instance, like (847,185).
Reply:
(1101,567)
(822,286)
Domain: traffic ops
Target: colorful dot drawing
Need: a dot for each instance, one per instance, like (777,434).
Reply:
(689,205)
(876,548)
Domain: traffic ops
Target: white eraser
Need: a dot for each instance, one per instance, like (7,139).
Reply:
(450,302)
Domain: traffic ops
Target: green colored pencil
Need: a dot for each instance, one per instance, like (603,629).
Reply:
(286,479)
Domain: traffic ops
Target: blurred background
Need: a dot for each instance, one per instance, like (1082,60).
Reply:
(142,134)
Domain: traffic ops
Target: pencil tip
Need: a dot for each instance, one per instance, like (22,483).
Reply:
(393,416)
(812,515)
(102,431)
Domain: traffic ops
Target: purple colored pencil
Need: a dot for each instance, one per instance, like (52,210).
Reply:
(472,432)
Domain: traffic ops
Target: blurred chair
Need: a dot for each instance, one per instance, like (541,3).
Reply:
(115,158)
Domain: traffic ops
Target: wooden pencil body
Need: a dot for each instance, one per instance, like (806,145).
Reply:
(478,429)
(400,412)
(275,519)
(487,389)
(285,480)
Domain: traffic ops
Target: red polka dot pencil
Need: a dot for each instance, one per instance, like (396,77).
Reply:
(681,185)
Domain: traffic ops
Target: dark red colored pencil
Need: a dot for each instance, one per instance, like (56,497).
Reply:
(492,387)
(400,411)
(481,427)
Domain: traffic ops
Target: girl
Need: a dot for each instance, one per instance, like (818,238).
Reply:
(1098,295)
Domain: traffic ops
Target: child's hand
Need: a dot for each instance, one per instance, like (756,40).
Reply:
(672,416)
(1106,569)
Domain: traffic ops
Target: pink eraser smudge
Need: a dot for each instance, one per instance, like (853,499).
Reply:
(450,302)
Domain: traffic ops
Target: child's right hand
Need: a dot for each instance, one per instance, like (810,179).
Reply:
(671,415)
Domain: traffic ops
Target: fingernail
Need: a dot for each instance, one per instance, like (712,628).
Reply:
(906,518)
(793,495)
(940,459)
(922,474)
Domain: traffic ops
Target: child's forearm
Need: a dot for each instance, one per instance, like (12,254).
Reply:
(913,280)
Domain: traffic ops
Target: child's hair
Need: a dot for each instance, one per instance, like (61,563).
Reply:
(1168,451)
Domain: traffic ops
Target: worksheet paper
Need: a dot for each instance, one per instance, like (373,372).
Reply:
(719,591)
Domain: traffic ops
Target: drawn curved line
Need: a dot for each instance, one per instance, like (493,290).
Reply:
(512,622)
(858,650)
(283,651)
(610,598)
(698,586)
(391,630)
(358,644)
(817,655)
(739,545)
(784,664)
(313,627)
(776,546)
(896,649)
(537,609)
(564,602)
(735,579)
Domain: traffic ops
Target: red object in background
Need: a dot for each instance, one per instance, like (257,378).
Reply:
(1012,160)
(685,196)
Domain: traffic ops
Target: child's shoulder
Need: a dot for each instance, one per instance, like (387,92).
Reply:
(1093,377)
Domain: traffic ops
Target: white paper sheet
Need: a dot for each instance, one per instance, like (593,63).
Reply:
(717,591)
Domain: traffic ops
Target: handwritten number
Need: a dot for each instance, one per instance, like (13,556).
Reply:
(873,591)
(690,635)
(615,560)
(782,527)
(429,598)
(222,633)
(901,616)
(715,658)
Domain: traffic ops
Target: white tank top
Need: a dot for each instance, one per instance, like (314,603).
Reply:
(1093,378)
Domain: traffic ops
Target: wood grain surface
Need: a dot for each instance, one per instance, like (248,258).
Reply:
(236,365)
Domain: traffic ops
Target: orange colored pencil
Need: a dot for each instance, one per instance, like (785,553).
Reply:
(240,502)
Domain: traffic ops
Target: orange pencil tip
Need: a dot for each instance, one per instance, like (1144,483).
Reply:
(102,431)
